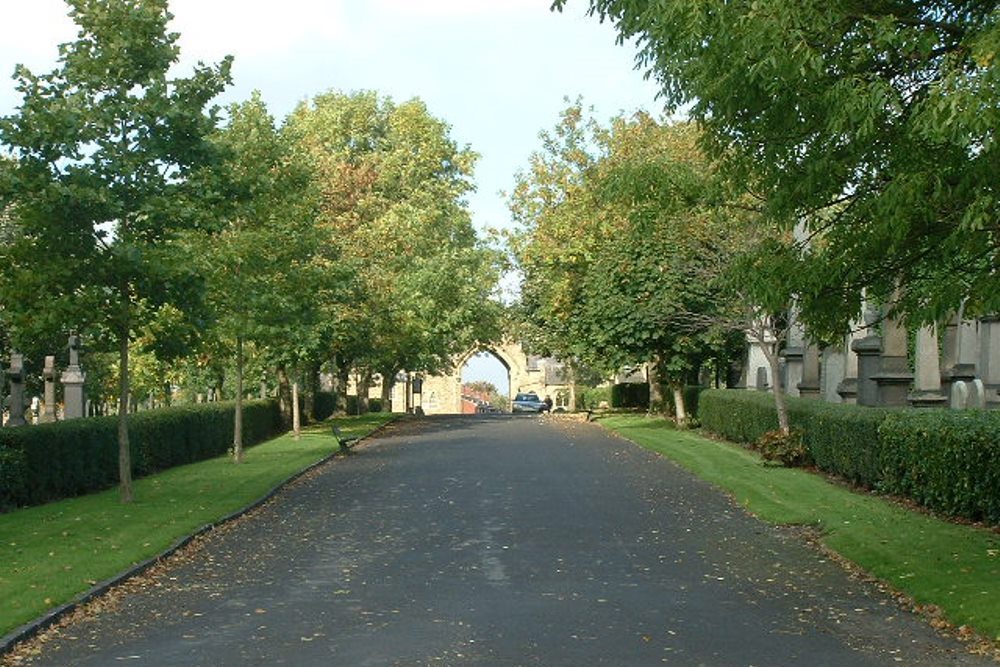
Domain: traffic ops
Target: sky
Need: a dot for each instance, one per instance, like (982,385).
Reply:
(497,71)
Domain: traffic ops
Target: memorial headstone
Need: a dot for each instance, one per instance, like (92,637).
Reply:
(72,380)
(15,375)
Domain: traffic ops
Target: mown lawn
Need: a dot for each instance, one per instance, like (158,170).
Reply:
(52,553)
(936,562)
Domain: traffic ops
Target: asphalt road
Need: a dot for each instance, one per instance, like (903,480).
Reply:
(502,541)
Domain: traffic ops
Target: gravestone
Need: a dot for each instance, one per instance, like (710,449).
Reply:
(72,381)
(989,358)
(833,372)
(761,379)
(809,384)
(15,375)
(927,378)
(793,356)
(49,396)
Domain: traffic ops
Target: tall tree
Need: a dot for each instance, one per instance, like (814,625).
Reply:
(106,146)
(874,123)
(265,281)
(621,225)
(393,185)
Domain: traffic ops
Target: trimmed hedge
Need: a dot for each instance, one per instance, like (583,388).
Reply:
(630,395)
(50,461)
(946,460)
(324,405)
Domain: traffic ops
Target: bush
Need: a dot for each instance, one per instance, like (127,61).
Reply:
(324,405)
(946,460)
(630,395)
(594,396)
(70,458)
(784,448)
(692,394)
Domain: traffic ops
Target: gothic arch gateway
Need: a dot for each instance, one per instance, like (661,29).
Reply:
(442,394)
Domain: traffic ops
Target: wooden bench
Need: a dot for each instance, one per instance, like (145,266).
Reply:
(345,442)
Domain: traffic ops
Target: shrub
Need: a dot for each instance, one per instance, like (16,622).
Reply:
(630,395)
(74,457)
(594,396)
(324,405)
(787,449)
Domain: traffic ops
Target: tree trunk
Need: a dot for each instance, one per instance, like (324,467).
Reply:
(124,454)
(571,378)
(656,402)
(311,386)
(388,380)
(238,412)
(771,353)
(284,396)
(296,417)
(341,377)
(680,410)
(364,383)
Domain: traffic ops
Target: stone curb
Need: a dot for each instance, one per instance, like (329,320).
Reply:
(33,628)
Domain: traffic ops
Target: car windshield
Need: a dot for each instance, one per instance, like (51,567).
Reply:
(526,397)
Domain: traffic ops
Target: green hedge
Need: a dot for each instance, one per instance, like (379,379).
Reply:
(325,404)
(946,460)
(629,395)
(51,461)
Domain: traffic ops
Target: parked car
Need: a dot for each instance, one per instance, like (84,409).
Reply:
(528,402)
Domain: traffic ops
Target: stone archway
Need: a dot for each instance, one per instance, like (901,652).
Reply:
(442,394)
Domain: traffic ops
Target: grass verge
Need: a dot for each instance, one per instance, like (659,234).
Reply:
(940,565)
(52,553)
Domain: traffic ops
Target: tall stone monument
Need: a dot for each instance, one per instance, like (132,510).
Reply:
(15,375)
(809,386)
(894,377)
(49,396)
(989,358)
(868,352)
(72,380)
(927,379)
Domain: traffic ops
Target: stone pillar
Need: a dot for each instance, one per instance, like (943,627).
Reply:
(49,376)
(833,372)
(809,385)
(72,381)
(927,379)
(989,358)
(757,361)
(960,351)
(894,376)
(15,374)
(869,352)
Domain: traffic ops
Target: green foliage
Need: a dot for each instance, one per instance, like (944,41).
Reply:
(324,405)
(623,233)
(79,456)
(872,122)
(787,449)
(945,460)
(594,396)
(630,395)
(13,477)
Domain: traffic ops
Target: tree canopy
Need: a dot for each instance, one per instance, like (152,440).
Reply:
(872,123)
